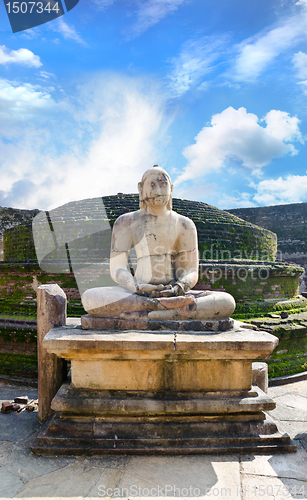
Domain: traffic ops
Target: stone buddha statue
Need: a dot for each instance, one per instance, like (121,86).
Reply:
(165,244)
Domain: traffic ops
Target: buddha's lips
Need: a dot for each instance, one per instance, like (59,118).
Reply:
(156,197)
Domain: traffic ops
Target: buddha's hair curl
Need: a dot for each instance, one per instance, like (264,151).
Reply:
(154,170)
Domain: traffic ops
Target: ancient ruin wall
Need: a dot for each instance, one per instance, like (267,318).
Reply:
(289,222)
(221,235)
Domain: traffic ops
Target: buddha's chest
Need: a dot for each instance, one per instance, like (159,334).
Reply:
(155,237)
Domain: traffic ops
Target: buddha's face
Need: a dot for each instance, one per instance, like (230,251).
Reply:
(156,190)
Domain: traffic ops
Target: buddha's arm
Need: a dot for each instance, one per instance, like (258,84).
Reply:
(120,247)
(186,260)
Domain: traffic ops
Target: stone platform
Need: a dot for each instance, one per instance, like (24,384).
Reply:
(141,392)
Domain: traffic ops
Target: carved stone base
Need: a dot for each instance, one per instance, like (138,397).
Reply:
(142,392)
(99,422)
(89,322)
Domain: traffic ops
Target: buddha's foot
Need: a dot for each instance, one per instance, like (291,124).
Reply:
(185,312)
(207,306)
(186,304)
(176,302)
(134,315)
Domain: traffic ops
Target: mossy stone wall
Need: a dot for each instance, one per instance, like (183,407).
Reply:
(221,235)
(254,285)
(289,222)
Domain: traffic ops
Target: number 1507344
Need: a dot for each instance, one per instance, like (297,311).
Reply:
(32,7)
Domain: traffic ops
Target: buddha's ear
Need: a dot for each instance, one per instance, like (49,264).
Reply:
(141,202)
(170,201)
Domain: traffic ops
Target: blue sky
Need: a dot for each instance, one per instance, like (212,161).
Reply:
(215,92)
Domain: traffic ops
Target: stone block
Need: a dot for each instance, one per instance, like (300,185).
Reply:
(51,312)
(260,375)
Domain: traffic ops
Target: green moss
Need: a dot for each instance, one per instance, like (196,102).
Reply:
(218,231)
(17,365)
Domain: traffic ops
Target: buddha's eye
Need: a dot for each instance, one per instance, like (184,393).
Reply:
(153,185)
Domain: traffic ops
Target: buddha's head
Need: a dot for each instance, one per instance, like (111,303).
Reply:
(155,188)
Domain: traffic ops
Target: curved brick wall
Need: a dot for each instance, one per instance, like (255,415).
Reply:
(221,235)
(289,222)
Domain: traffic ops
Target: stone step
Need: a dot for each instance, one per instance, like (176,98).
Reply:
(65,437)
(140,403)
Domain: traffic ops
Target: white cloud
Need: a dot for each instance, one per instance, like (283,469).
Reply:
(235,135)
(67,31)
(258,52)
(18,101)
(46,75)
(291,189)
(300,64)
(194,61)
(107,140)
(242,200)
(102,4)
(151,12)
(198,191)
(20,56)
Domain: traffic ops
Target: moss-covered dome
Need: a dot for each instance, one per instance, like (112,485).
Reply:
(221,235)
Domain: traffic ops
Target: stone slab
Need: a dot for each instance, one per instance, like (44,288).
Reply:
(139,403)
(10,483)
(293,466)
(159,361)
(76,481)
(181,477)
(272,488)
(242,343)
(89,322)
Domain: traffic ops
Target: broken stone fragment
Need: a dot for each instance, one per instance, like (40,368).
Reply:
(22,400)
(6,407)
(15,407)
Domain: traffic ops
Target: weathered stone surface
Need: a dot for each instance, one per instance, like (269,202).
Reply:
(51,312)
(73,481)
(290,466)
(19,461)
(260,376)
(133,436)
(182,477)
(89,322)
(160,374)
(233,344)
(160,361)
(220,404)
(10,483)
(134,367)
(272,487)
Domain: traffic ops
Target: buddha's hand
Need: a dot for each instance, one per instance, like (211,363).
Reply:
(148,290)
(168,291)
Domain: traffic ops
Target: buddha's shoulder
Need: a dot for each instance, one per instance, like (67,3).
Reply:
(185,222)
(128,218)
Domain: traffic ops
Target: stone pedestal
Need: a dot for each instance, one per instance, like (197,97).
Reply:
(137,392)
